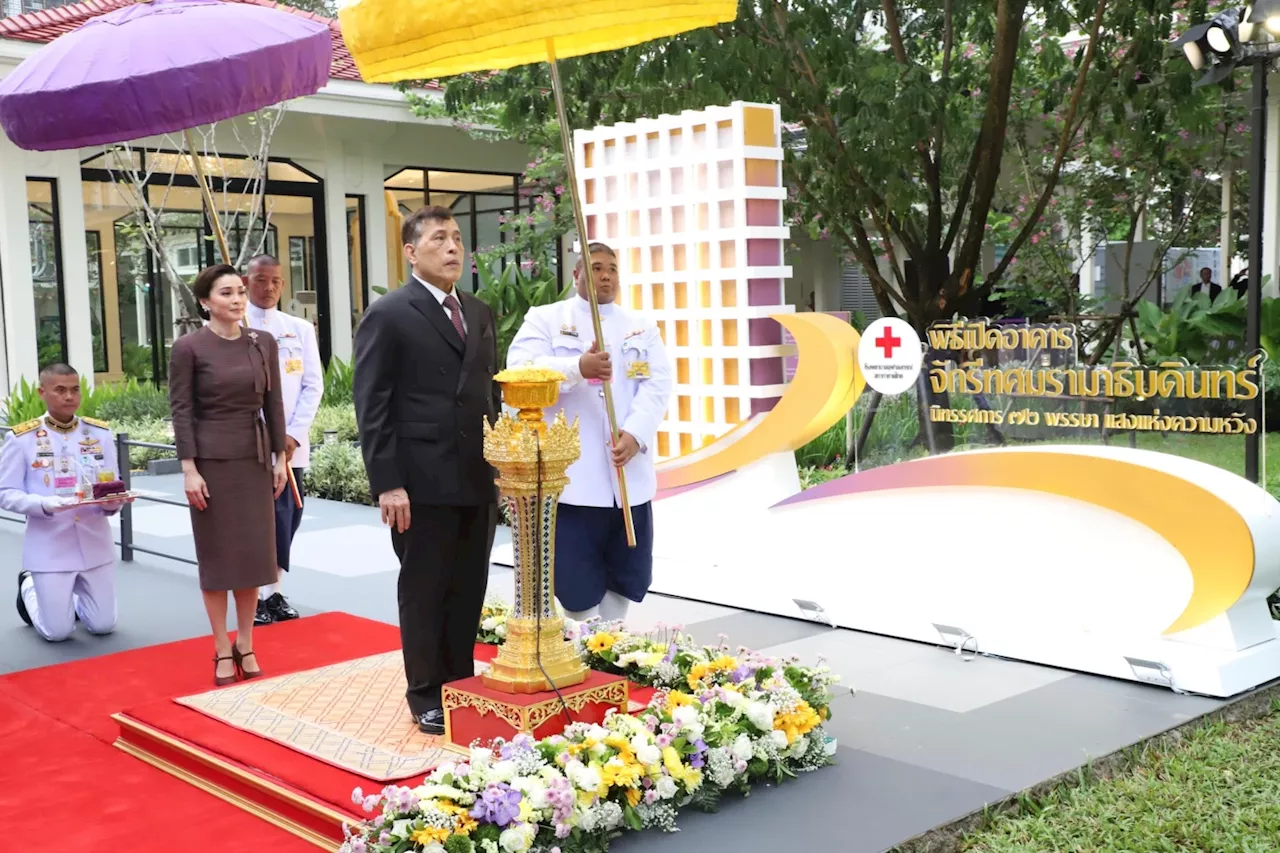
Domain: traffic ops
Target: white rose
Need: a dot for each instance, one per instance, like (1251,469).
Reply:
(760,715)
(684,715)
(649,754)
(489,624)
(433,847)
(666,787)
(779,738)
(503,771)
(694,730)
(742,748)
(480,756)
(501,630)
(516,839)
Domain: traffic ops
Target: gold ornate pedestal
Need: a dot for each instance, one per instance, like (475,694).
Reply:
(531,458)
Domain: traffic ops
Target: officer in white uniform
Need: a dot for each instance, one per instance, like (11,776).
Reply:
(302,385)
(68,553)
(596,572)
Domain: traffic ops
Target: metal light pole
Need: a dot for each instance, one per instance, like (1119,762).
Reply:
(1222,44)
(1257,194)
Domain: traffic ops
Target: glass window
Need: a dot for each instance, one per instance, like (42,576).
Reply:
(46,269)
(406,179)
(133,292)
(97,300)
(469,182)
(357,266)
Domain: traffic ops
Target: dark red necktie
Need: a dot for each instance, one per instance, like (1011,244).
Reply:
(455,314)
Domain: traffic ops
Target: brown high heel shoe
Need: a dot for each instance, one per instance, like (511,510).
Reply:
(239,657)
(224,680)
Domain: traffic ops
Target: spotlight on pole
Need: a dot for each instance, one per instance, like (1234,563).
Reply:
(1265,12)
(1217,44)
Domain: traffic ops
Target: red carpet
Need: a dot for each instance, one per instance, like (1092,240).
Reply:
(61,789)
(84,694)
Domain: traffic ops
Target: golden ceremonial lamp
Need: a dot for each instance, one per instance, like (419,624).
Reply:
(531,458)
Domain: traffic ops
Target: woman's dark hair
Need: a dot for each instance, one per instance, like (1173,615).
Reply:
(204,282)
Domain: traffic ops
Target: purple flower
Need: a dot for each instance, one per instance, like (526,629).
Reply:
(357,796)
(357,845)
(742,673)
(384,838)
(499,804)
(371,802)
(664,741)
(559,189)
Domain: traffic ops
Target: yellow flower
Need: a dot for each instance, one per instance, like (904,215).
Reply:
(526,810)
(697,673)
(621,775)
(724,663)
(798,722)
(676,699)
(466,824)
(598,643)
(430,834)
(633,797)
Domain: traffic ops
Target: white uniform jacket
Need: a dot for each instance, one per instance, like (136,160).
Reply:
(301,375)
(557,336)
(38,461)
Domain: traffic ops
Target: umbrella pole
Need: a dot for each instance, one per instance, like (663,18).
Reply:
(566,141)
(208,198)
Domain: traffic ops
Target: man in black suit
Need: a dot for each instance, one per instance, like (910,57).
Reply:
(425,356)
(1206,283)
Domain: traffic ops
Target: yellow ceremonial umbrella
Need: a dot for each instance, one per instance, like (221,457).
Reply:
(394,40)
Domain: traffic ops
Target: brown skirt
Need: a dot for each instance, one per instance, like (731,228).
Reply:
(236,533)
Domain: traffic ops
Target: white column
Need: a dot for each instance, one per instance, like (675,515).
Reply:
(1271,203)
(375,225)
(75,265)
(1224,241)
(19,307)
(335,217)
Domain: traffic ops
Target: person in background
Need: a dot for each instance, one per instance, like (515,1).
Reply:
(597,573)
(1206,284)
(228,421)
(68,552)
(301,387)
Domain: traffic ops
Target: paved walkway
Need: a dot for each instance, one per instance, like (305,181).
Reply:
(929,737)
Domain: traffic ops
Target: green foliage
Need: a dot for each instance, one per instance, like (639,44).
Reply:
(337,473)
(339,379)
(154,430)
(136,361)
(1191,326)
(511,292)
(128,400)
(341,418)
(825,450)
(23,403)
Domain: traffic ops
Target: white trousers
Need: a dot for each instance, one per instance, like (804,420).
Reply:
(54,599)
(612,608)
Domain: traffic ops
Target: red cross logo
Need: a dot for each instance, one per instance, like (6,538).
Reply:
(887,342)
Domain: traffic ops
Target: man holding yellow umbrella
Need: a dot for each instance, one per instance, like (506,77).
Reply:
(396,40)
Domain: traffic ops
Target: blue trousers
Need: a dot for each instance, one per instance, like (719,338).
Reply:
(288,517)
(592,556)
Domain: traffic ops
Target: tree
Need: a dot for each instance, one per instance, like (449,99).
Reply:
(145,184)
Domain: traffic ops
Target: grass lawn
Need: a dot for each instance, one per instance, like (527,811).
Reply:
(1215,789)
(1220,450)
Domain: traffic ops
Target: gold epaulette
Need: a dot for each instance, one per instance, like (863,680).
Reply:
(96,422)
(26,426)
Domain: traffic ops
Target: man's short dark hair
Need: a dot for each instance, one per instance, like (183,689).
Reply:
(597,248)
(262,261)
(57,368)
(411,231)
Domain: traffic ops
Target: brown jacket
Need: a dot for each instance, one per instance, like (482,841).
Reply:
(225,396)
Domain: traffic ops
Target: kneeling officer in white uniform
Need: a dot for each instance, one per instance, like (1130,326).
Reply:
(68,556)
(596,573)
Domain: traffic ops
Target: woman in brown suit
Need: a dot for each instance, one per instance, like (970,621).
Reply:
(228,420)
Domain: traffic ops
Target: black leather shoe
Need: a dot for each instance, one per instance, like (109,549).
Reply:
(22,607)
(263,615)
(280,608)
(430,722)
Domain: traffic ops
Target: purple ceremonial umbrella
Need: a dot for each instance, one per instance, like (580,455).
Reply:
(160,67)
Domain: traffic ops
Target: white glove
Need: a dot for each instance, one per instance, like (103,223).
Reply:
(54,504)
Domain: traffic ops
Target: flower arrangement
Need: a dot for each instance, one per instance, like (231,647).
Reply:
(529,373)
(493,622)
(726,723)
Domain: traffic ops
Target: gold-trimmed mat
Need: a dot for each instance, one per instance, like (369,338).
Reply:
(352,715)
